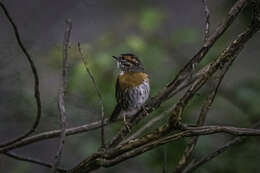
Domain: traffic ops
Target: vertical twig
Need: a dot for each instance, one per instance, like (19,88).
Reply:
(194,165)
(187,155)
(207,20)
(235,141)
(98,93)
(185,72)
(36,81)
(188,152)
(61,94)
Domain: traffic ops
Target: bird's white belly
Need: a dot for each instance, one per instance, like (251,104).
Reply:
(138,96)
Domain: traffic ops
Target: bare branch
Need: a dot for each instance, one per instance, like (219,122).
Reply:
(62,90)
(193,166)
(31,160)
(119,154)
(217,152)
(207,21)
(146,126)
(188,152)
(98,93)
(157,137)
(36,81)
(184,73)
(54,134)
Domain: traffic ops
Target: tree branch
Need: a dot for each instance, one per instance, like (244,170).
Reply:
(61,94)
(184,73)
(98,93)
(207,21)
(188,152)
(119,154)
(54,134)
(193,166)
(36,81)
(237,140)
(150,140)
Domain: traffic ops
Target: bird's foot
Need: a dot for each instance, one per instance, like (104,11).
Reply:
(127,125)
(145,111)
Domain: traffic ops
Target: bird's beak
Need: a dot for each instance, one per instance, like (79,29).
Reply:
(116,58)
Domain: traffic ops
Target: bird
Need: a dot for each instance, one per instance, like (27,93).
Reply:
(132,87)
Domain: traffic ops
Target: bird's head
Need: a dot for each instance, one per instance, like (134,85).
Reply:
(129,63)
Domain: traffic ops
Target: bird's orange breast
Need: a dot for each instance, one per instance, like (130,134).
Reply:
(132,79)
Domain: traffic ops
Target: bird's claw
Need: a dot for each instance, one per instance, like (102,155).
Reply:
(127,124)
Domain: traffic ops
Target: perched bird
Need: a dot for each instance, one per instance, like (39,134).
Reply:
(132,87)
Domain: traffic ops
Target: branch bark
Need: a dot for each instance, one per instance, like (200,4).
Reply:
(151,140)
(184,73)
(237,140)
(36,81)
(61,95)
(98,94)
(54,134)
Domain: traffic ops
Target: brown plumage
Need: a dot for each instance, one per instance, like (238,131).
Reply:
(132,87)
(131,79)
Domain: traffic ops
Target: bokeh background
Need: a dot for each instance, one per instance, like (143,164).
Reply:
(164,34)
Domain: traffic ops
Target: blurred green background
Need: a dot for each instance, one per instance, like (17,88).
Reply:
(163,34)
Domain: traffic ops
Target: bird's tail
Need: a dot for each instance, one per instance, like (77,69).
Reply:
(115,113)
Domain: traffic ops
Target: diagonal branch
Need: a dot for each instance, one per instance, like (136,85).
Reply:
(98,93)
(157,137)
(237,140)
(192,166)
(36,81)
(61,94)
(117,155)
(188,152)
(184,73)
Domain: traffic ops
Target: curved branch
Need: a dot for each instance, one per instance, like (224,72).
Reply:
(36,82)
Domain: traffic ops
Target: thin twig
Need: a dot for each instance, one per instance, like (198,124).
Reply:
(146,126)
(53,134)
(188,152)
(36,81)
(233,142)
(207,20)
(184,73)
(98,93)
(79,129)
(237,140)
(62,91)
(151,140)
(32,160)
(117,155)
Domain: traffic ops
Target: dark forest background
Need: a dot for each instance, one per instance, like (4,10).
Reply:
(164,34)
